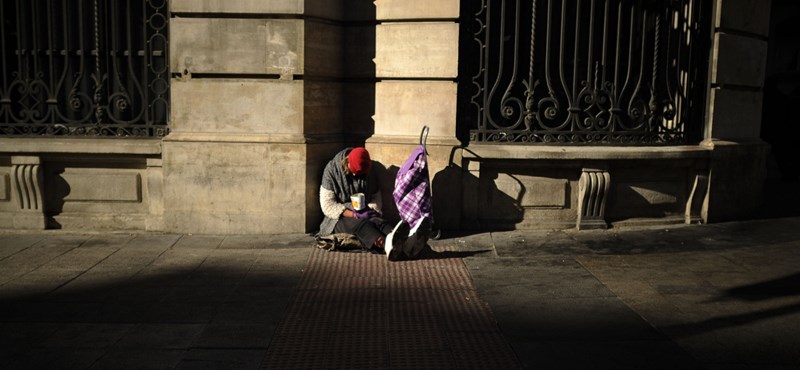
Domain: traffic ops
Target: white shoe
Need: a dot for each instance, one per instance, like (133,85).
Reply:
(396,241)
(418,237)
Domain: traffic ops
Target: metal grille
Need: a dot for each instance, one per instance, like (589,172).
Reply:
(598,72)
(84,68)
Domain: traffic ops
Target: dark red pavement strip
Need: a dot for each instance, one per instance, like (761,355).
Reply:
(356,310)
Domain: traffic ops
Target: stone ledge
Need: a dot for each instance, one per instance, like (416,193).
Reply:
(500,151)
(413,140)
(80,146)
(252,138)
(315,8)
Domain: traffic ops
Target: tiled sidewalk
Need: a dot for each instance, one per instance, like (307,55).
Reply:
(723,296)
(146,301)
(357,311)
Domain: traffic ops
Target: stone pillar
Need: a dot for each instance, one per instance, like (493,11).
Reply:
(27,189)
(416,64)
(256,108)
(593,189)
(738,164)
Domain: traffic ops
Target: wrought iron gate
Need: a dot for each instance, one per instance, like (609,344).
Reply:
(94,68)
(597,72)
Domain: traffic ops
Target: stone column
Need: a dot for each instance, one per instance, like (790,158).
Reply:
(256,108)
(738,164)
(416,64)
(27,189)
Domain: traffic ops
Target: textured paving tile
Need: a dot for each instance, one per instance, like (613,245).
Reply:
(357,310)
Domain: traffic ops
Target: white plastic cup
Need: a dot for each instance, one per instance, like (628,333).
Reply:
(359,201)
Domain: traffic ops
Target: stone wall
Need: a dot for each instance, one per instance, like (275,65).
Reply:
(89,184)
(509,186)
(264,93)
(594,187)
(738,64)
(257,108)
(416,66)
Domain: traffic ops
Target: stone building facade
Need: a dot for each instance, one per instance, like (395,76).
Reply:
(263,93)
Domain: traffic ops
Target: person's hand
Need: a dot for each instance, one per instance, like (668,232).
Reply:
(366,213)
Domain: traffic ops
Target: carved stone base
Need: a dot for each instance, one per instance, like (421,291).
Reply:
(694,205)
(593,189)
(26,186)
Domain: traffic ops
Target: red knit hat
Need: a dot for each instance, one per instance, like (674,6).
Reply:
(358,161)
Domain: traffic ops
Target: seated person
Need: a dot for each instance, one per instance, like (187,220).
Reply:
(348,173)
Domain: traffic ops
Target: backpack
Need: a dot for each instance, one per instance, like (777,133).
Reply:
(412,188)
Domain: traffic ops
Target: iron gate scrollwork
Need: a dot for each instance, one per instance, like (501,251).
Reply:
(91,68)
(596,72)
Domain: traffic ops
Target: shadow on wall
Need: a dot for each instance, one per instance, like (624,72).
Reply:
(782,86)
(781,95)
(447,187)
(462,203)
(386,178)
(57,189)
(495,209)
(632,197)
(353,122)
(359,72)
(473,202)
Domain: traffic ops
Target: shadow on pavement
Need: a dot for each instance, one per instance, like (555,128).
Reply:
(430,254)
(729,321)
(787,286)
(157,318)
